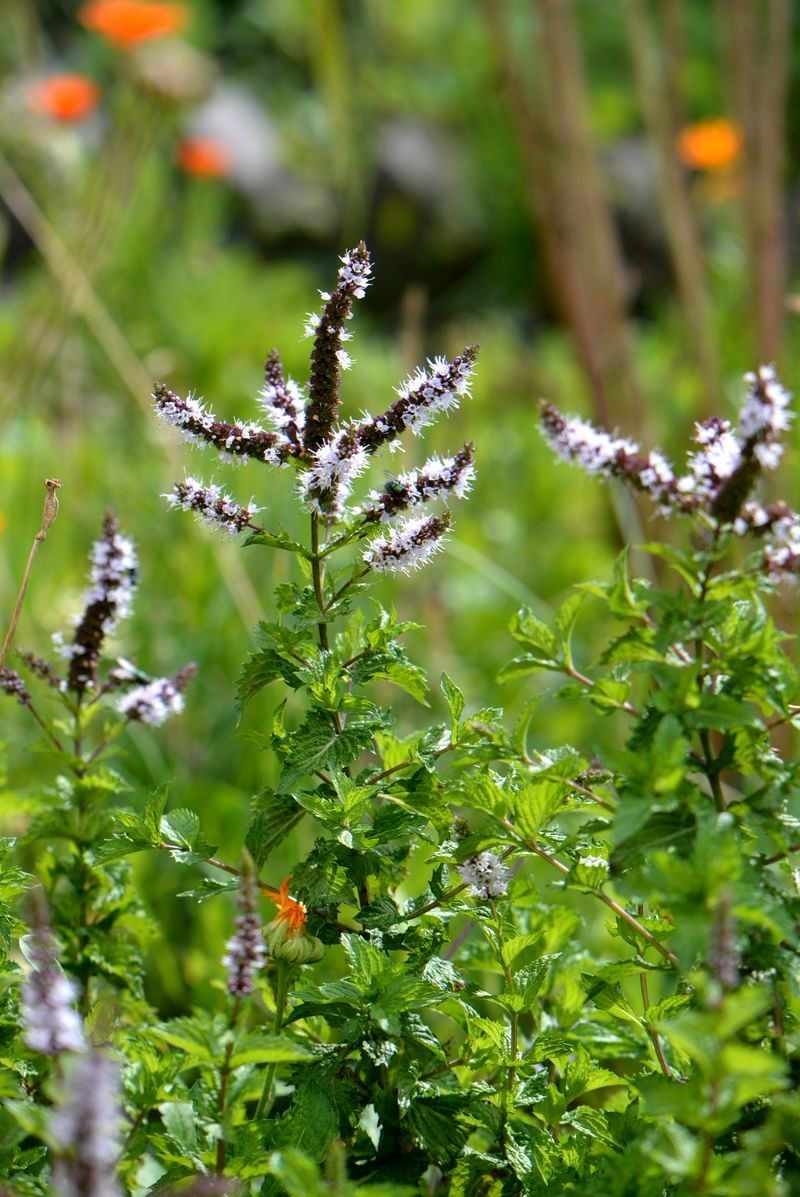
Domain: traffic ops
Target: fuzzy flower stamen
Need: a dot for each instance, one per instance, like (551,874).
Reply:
(409,545)
(211,505)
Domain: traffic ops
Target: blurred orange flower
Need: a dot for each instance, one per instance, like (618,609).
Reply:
(710,145)
(128,22)
(65,97)
(203,156)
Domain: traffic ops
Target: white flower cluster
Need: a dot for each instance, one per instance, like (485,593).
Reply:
(721,472)
(152,703)
(486,875)
(283,403)
(211,505)
(52,1024)
(114,575)
(355,272)
(353,278)
(437,389)
(85,1127)
(765,415)
(594,449)
(233,440)
(336,465)
(782,552)
(189,416)
(717,460)
(408,545)
(574,439)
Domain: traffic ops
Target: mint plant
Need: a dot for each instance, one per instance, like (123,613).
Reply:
(502,967)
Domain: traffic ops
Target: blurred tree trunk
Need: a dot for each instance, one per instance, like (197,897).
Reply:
(657,81)
(756,43)
(566,197)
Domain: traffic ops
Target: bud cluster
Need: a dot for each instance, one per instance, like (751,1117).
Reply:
(331,456)
(12,684)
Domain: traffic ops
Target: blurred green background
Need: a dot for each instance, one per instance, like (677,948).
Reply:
(603,195)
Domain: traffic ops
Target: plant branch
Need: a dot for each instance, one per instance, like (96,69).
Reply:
(49,513)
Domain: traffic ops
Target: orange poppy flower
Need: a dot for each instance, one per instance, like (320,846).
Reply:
(203,156)
(289,909)
(710,145)
(125,23)
(65,97)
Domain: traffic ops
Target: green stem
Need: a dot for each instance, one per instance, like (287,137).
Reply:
(281,993)
(224,1075)
(705,739)
(514,1023)
(316,575)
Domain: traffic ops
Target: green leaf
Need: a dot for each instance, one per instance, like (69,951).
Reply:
(367,963)
(537,803)
(565,625)
(455,701)
(274,817)
(262,1048)
(154,812)
(200,1040)
(278,540)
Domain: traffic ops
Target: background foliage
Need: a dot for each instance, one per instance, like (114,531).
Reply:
(387,121)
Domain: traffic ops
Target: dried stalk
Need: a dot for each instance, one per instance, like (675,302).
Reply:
(656,88)
(49,513)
